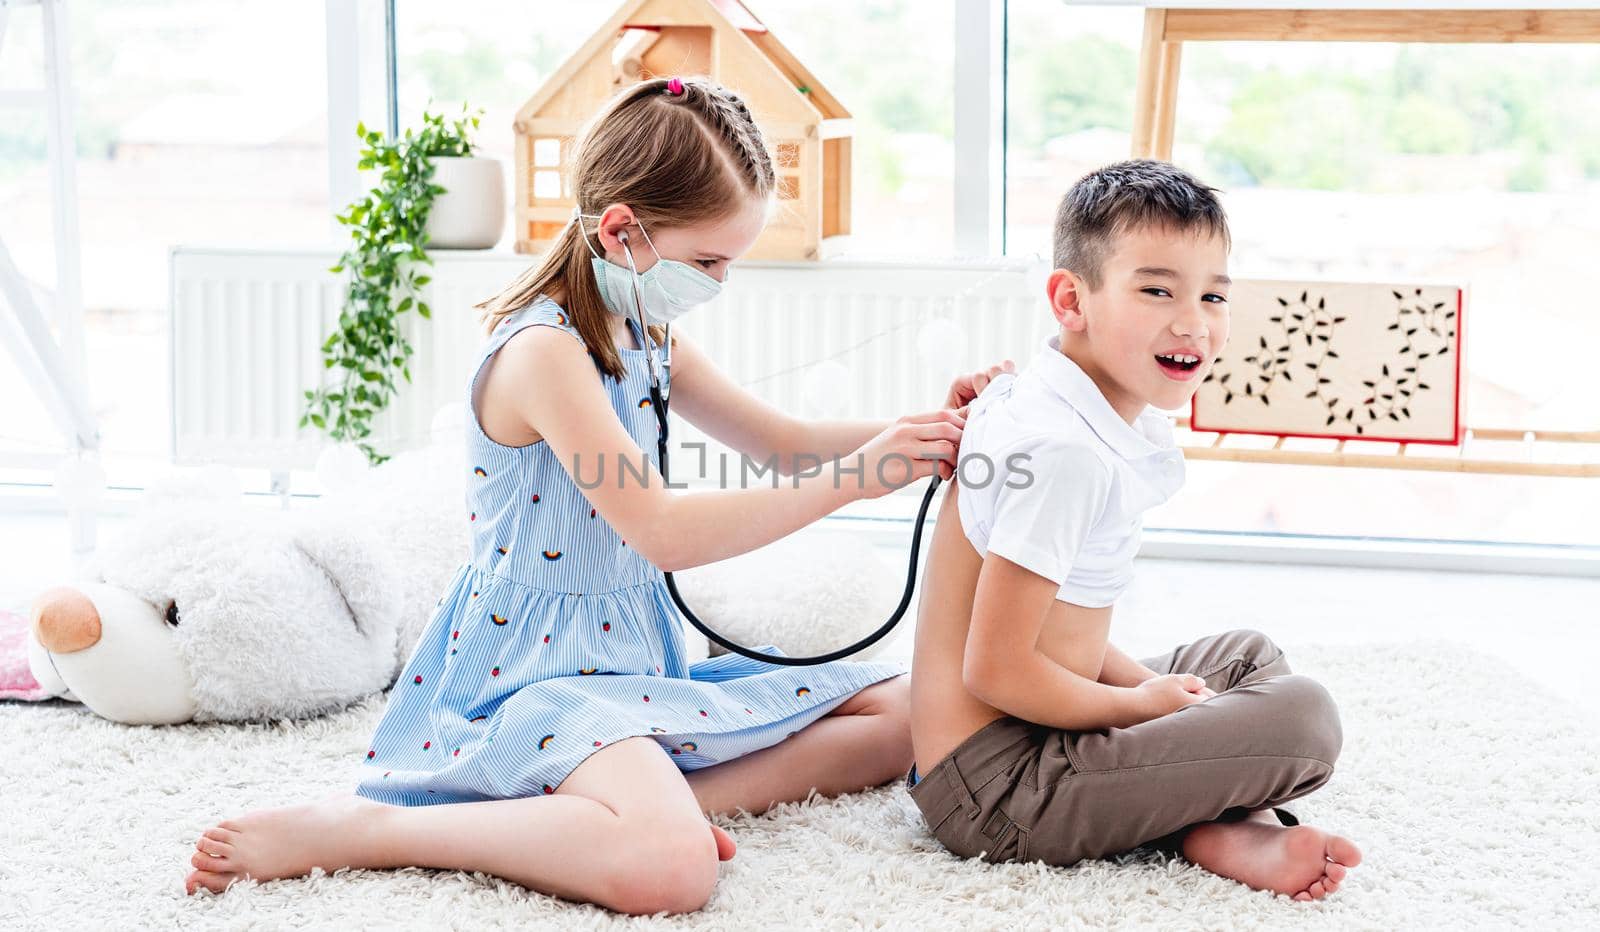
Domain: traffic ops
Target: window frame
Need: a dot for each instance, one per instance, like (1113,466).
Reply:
(980,34)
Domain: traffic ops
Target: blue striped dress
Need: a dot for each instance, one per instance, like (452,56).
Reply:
(557,639)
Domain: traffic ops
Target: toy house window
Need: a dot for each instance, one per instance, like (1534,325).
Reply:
(547,153)
(547,168)
(546,184)
(787,156)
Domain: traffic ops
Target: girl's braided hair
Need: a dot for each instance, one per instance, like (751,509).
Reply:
(678,151)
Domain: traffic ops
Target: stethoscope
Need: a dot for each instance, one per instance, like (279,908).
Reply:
(658,403)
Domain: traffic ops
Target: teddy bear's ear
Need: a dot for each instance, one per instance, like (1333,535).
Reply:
(359,568)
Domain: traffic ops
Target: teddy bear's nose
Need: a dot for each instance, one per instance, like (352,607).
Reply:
(65,620)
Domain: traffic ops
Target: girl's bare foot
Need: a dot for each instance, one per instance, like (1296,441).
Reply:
(1299,861)
(726,848)
(284,842)
(333,833)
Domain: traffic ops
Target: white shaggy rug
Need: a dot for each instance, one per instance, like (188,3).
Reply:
(1472,791)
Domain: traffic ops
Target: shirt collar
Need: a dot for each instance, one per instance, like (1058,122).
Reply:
(1063,376)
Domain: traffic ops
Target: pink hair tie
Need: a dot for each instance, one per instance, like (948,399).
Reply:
(674,87)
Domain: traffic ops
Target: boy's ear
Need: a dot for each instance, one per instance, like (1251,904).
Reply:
(1065,290)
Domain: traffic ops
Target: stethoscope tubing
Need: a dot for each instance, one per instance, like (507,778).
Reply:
(659,402)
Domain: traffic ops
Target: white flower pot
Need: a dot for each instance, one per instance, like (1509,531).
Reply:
(471,214)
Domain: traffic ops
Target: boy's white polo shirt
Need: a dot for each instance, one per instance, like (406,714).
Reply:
(1077,520)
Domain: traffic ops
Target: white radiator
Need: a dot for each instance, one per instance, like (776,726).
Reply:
(247,328)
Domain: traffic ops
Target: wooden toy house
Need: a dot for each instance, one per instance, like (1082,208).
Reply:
(807,129)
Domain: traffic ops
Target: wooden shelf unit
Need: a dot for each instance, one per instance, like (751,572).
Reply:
(1154,119)
(1526,451)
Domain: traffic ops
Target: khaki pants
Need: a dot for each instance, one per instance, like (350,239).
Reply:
(1024,792)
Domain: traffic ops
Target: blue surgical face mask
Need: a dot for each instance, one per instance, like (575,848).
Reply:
(669,288)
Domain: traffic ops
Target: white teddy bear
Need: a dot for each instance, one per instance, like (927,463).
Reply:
(209,609)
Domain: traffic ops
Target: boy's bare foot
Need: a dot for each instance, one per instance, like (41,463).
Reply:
(1299,861)
(284,842)
(289,841)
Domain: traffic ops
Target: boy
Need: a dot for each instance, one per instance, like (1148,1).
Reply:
(1035,738)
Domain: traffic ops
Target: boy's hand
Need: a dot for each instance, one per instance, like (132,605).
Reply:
(967,387)
(1168,693)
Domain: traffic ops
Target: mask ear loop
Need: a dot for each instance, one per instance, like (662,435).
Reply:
(668,333)
(583,234)
(622,236)
(658,391)
(647,240)
(638,304)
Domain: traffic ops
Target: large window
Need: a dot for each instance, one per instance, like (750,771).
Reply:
(197,122)
(890,68)
(1455,163)
(206,122)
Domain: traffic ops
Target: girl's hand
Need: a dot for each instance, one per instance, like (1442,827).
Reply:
(967,387)
(913,447)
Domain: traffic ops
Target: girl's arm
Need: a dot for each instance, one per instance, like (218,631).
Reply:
(725,410)
(548,380)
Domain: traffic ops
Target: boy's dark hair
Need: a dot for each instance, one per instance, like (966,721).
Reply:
(1130,195)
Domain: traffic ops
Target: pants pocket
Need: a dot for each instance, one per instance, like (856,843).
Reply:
(1007,841)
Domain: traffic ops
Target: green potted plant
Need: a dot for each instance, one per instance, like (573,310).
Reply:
(367,354)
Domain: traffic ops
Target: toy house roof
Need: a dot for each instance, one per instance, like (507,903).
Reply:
(770,77)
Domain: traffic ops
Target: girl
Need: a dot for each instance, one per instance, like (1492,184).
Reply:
(547,728)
